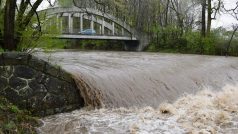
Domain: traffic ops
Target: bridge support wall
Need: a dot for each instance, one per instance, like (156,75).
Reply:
(131,45)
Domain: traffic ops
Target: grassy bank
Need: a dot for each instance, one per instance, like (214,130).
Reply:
(14,120)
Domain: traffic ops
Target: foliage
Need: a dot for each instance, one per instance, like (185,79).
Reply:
(168,40)
(99,45)
(173,26)
(32,38)
(14,120)
(65,3)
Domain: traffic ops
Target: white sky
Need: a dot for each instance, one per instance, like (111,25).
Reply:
(224,20)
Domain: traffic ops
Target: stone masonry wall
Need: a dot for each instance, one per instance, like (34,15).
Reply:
(36,85)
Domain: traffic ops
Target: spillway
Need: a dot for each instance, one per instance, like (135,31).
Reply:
(122,79)
(111,80)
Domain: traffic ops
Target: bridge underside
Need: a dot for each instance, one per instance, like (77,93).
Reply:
(73,41)
(95,37)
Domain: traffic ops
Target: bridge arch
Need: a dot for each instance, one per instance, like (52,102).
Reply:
(117,27)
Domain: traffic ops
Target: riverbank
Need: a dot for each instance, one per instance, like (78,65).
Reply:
(15,121)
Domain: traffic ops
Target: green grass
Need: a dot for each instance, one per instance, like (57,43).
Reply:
(15,121)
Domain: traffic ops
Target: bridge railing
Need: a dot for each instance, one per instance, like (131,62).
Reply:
(107,28)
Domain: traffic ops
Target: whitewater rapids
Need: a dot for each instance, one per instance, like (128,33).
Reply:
(159,93)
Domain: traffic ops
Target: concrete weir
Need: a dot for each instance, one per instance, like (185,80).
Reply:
(134,79)
(108,79)
(36,85)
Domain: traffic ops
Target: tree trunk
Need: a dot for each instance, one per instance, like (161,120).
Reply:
(9,26)
(166,13)
(203,31)
(209,17)
(229,44)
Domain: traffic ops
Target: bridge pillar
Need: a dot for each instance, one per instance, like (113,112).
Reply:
(103,26)
(122,31)
(113,28)
(70,23)
(92,23)
(59,23)
(81,22)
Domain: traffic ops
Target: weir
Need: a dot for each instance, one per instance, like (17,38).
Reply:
(120,79)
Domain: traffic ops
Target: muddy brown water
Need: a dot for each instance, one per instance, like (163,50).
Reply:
(128,79)
(125,79)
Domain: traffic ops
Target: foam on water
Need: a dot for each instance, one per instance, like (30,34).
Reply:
(185,93)
(118,121)
(207,112)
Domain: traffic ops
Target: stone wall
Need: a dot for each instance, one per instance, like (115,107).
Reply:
(36,85)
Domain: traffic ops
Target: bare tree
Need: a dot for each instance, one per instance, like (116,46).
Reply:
(233,12)
(212,12)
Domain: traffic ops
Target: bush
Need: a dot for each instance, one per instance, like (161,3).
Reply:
(99,45)
(14,120)
(193,42)
(169,40)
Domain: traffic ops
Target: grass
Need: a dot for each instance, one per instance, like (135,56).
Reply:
(14,120)
(1,50)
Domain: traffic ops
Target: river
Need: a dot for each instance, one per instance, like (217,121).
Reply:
(148,93)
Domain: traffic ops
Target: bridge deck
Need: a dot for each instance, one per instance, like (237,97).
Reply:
(94,37)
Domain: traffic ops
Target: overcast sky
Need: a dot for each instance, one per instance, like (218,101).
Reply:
(224,20)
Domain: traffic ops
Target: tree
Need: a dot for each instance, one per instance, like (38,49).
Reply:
(203,30)
(9,25)
(212,13)
(16,23)
(233,12)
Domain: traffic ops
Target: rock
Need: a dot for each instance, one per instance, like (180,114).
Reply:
(24,72)
(13,96)
(54,85)
(52,70)
(17,83)
(26,92)
(37,64)
(15,58)
(3,83)
(65,76)
(6,71)
(38,86)
(41,78)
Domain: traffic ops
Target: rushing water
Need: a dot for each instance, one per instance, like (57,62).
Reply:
(140,82)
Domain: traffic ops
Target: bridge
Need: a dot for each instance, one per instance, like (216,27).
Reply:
(70,21)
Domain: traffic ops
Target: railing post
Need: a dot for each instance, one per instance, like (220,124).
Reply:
(113,28)
(81,22)
(70,23)
(92,23)
(103,26)
(59,23)
(122,30)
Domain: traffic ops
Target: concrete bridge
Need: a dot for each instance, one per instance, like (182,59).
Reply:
(70,21)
